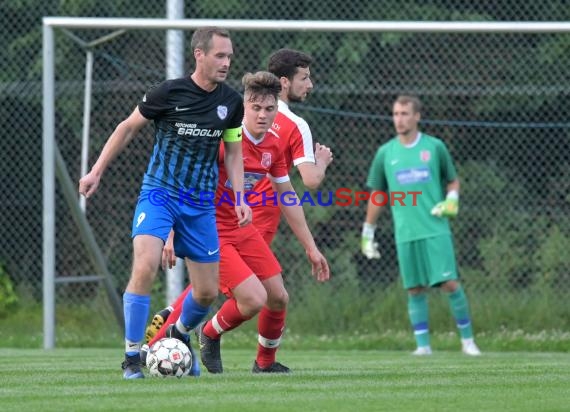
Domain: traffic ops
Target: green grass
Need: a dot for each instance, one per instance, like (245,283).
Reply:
(90,379)
(370,330)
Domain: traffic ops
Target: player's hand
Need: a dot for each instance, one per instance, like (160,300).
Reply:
(244,214)
(323,154)
(89,183)
(447,208)
(320,266)
(168,256)
(368,246)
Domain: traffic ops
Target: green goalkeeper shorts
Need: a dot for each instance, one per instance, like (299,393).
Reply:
(427,262)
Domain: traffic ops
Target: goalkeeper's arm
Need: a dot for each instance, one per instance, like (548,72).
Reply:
(450,206)
(368,245)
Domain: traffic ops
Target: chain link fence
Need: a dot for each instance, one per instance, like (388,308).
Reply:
(499,101)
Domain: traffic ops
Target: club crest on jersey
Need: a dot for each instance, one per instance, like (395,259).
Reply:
(266,160)
(222,112)
(425,155)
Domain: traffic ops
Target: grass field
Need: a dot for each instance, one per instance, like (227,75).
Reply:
(90,380)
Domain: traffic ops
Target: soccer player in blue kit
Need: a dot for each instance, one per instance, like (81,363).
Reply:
(191,115)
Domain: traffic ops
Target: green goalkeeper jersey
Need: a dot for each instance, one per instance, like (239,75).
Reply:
(425,166)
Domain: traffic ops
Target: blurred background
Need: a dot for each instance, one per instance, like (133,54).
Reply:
(499,101)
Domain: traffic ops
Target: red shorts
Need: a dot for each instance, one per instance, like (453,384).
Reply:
(243,253)
(266,219)
(267,235)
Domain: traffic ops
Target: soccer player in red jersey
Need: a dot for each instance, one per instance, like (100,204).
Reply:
(292,67)
(249,272)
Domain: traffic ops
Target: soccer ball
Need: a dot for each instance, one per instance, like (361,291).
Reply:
(169,357)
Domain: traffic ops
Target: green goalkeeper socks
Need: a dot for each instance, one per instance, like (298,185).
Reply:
(460,310)
(418,313)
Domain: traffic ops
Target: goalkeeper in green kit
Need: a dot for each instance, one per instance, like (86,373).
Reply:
(415,161)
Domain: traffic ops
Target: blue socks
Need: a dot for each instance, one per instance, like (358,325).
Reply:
(135,309)
(192,312)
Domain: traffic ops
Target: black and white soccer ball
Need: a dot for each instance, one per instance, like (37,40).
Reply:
(169,357)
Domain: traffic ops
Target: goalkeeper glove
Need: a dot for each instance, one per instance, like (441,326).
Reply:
(368,246)
(449,207)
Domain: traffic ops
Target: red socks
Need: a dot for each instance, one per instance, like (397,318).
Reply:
(227,318)
(270,326)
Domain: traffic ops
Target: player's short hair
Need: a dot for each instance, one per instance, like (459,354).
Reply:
(410,99)
(259,85)
(286,62)
(202,37)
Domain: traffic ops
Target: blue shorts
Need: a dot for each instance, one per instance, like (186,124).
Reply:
(195,233)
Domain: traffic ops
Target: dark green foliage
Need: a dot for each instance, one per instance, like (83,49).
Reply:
(8,297)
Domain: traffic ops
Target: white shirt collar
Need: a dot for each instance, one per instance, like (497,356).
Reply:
(250,136)
(415,142)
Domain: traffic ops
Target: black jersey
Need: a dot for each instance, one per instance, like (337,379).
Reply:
(189,124)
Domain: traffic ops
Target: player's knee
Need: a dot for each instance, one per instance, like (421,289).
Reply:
(278,300)
(205,297)
(144,269)
(416,290)
(251,304)
(255,306)
(141,279)
(450,286)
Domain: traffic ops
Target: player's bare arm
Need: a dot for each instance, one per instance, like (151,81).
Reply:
(313,174)
(119,139)
(233,161)
(295,216)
